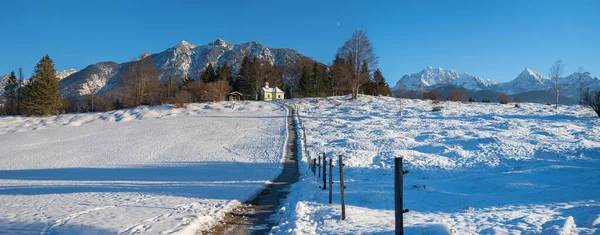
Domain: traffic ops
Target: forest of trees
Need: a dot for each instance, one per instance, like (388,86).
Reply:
(353,71)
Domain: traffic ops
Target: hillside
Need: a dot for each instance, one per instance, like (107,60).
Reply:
(184,59)
(473,168)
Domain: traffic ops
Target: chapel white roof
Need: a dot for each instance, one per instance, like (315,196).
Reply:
(272,89)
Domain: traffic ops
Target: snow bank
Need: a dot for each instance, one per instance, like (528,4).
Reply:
(474,168)
(145,170)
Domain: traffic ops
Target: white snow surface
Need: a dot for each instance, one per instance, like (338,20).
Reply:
(473,168)
(147,170)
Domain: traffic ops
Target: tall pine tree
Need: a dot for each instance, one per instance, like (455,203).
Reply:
(224,73)
(209,74)
(306,83)
(242,83)
(381,86)
(11,94)
(41,97)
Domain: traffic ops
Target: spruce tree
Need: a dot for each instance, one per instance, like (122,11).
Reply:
(365,79)
(314,79)
(306,83)
(209,74)
(187,80)
(20,90)
(381,86)
(224,73)
(242,83)
(41,97)
(11,94)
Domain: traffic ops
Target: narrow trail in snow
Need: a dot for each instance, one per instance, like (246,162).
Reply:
(256,216)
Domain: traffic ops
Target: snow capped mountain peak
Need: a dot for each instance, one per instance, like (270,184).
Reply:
(185,44)
(63,74)
(529,76)
(526,81)
(432,76)
(530,73)
(219,42)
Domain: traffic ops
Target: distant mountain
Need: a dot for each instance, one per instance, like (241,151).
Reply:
(431,76)
(184,59)
(570,85)
(528,85)
(526,81)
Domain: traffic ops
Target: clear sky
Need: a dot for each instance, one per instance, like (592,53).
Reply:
(492,39)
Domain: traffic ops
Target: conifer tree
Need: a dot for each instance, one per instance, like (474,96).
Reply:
(10,94)
(314,80)
(306,83)
(381,86)
(209,74)
(20,90)
(242,83)
(224,73)
(41,97)
(187,80)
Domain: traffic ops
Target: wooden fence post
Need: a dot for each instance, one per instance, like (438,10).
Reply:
(325,172)
(398,194)
(319,166)
(342,188)
(330,180)
(314,165)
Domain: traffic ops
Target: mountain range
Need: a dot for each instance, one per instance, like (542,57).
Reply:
(184,59)
(529,84)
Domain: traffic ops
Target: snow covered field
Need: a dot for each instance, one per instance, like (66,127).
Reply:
(143,170)
(474,168)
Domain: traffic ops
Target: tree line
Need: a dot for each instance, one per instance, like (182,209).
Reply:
(353,71)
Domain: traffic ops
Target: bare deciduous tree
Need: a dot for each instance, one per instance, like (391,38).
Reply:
(555,72)
(215,91)
(504,98)
(456,95)
(141,82)
(592,100)
(433,94)
(360,53)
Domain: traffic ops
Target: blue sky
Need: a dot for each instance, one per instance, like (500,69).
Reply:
(491,39)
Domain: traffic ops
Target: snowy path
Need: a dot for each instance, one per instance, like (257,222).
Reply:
(139,171)
(474,168)
(260,215)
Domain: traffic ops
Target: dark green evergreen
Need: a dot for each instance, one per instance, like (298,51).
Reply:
(11,94)
(224,73)
(209,74)
(187,80)
(41,97)
(306,83)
